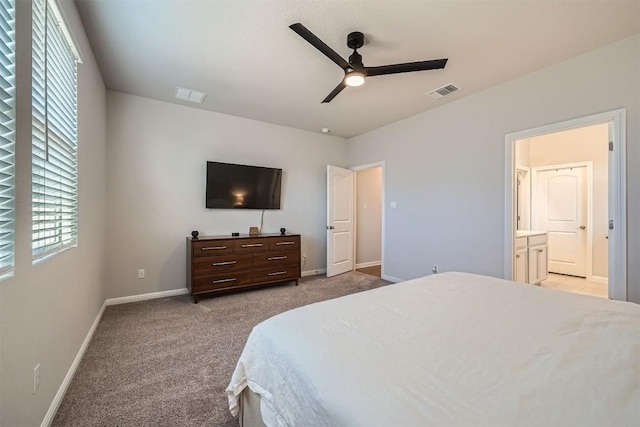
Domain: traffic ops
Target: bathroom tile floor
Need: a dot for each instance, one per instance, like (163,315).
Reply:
(576,285)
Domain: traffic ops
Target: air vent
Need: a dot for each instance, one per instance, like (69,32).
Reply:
(442,91)
(190,95)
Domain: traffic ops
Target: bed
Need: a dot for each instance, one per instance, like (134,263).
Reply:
(452,349)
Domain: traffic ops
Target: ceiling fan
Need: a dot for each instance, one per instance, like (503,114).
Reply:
(354,71)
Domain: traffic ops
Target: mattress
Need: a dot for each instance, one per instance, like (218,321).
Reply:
(451,349)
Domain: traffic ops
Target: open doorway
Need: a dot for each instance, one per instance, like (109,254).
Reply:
(562,196)
(554,221)
(369,209)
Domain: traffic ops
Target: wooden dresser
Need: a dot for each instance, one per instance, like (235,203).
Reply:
(223,263)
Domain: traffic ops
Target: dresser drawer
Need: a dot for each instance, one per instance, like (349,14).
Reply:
(221,280)
(219,263)
(273,274)
(276,259)
(212,247)
(284,243)
(251,245)
(521,242)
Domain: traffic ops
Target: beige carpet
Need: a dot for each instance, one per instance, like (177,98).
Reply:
(167,362)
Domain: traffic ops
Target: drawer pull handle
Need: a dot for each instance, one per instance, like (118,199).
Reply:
(225,263)
(271,258)
(213,248)
(223,281)
(517,256)
(255,245)
(540,250)
(284,243)
(277,273)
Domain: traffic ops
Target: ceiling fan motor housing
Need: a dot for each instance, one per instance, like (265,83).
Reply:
(355,60)
(355,41)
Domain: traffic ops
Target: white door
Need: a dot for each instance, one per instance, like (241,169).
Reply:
(561,201)
(339,220)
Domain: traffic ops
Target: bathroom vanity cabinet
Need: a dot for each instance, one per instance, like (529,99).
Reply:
(532,257)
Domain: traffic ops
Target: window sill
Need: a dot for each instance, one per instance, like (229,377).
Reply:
(49,255)
(7,273)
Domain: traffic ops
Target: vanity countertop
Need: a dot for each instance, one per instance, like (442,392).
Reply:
(527,233)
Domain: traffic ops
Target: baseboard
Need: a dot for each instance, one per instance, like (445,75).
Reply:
(144,297)
(392,279)
(599,279)
(314,272)
(55,404)
(369,264)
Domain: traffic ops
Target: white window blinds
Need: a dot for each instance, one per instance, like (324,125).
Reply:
(54,133)
(7,135)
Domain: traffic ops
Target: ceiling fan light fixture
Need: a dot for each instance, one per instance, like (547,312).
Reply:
(354,78)
(354,69)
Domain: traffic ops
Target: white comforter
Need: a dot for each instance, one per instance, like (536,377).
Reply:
(451,349)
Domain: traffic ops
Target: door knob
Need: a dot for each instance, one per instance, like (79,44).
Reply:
(330,227)
(582,227)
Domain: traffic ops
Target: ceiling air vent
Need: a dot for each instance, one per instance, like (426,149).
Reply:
(189,95)
(442,91)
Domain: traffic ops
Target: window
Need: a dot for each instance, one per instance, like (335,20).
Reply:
(54,133)
(7,135)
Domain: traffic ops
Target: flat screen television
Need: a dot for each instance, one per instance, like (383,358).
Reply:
(231,186)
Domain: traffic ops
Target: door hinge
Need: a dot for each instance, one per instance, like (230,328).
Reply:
(610,145)
(610,224)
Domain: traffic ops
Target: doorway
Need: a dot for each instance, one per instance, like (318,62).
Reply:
(355,223)
(368,212)
(555,159)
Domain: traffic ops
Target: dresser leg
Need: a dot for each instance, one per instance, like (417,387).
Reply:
(296,282)
(196,298)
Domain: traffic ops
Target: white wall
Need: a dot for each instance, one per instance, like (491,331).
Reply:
(369,215)
(48,308)
(445,167)
(157,157)
(579,145)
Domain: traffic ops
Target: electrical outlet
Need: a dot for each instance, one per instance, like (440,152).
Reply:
(435,269)
(141,273)
(36,378)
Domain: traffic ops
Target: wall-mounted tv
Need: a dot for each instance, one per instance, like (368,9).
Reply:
(231,186)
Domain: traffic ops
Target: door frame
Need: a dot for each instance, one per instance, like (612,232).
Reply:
(617,193)
(382,214)
(527,173)
(588,267)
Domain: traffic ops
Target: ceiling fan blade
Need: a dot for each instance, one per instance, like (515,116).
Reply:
(434,64)
(319,44)
(335,92)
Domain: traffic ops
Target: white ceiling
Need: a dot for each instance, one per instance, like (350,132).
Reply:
(244,56)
